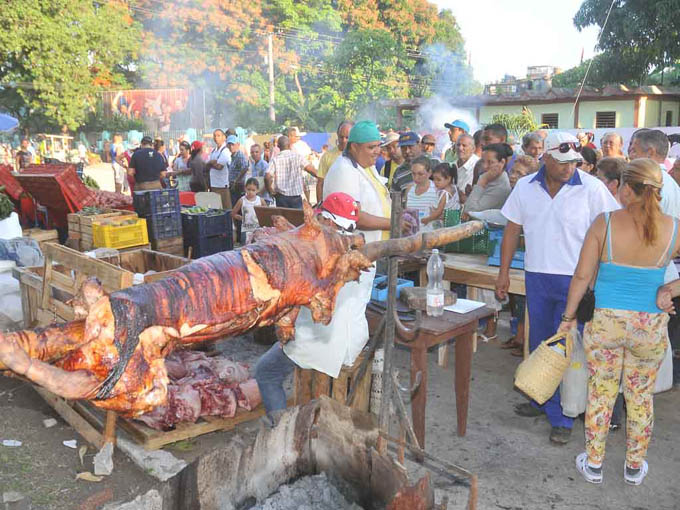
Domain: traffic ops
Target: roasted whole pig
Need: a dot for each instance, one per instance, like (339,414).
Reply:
(115,354)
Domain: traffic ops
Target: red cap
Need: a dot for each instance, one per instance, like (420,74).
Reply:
(340,208)
(196,146)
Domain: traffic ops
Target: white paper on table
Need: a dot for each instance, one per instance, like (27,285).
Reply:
(464,306)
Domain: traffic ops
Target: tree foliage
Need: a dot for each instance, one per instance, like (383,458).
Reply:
(332,58)
(56,54)
(640,36)
(518,124)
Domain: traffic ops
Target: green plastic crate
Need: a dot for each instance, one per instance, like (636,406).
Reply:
(476,244)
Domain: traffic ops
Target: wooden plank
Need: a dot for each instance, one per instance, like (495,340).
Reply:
(302,386)
(73,418)
(154,439)
(363,392)
(321,385)
(340,386)
(63,282)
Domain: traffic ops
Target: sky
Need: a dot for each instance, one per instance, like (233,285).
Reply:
(507,36)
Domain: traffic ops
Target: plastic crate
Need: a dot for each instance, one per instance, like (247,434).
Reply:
(12,186)
(212,223)
(114,235)
(477,243)
(380,294)
(163,226)
(158,201)
(495,240)
(205,246)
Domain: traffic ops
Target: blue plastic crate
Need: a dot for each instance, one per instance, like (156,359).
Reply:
(163,226)
(495,241)
(157,201)
(381,294)
(212,223)
(205,246)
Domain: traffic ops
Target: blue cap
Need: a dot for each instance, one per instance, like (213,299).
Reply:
(232,139)
(461,124)
(409,138)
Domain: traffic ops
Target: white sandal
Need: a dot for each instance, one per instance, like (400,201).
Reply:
(589,473)
(637,478)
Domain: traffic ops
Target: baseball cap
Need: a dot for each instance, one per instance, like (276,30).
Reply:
(232,139)
(196,145)
(341,209)
(563,146)
(409,138)
(428,139)
(147,140)
(389,138)
(461,124)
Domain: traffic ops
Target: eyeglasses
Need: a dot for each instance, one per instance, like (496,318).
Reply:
(567,146)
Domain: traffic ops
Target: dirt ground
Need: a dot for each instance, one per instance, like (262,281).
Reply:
(517,466)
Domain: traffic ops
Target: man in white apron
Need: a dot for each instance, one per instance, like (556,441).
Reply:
(354,191)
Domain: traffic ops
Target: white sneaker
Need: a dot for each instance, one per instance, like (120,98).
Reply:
(637,476)
(592,475)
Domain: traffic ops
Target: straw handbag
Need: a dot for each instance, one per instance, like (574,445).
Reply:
(541,373)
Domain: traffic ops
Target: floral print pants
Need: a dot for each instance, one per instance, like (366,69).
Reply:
(632,344)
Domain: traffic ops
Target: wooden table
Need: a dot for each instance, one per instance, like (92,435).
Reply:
(436,331)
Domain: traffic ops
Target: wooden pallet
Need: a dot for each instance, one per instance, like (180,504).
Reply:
(98,427)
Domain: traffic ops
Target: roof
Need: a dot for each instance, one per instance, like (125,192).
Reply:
(552,95)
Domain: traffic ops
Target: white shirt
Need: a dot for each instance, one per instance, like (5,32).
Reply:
(220,178)
(327,348)
(301,148)
(345,177)
(554,228)
(670,204)
(466,173)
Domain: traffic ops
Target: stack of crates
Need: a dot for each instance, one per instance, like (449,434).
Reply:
(161,209)
(207,233)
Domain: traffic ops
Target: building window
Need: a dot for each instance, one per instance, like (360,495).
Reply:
(669,118)
(605,120)
(550,119)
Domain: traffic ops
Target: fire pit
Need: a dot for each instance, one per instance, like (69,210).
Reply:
(320,437)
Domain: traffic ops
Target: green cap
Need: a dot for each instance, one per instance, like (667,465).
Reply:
(364,131)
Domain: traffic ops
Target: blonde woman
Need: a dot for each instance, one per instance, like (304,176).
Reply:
(629,250)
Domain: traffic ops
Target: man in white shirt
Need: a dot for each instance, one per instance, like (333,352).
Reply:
(467,159)
(218,164)
(654,144)
(555,208)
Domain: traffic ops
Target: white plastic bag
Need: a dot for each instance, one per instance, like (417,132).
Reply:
(664,379)
(574,386)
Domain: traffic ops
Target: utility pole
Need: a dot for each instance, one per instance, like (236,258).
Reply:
(270,62)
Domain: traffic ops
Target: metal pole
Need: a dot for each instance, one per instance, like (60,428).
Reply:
(270,62)
(392,267)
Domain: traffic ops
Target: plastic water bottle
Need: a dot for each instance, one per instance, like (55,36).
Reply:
(435,291)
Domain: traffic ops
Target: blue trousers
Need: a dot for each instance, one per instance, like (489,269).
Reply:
(547,299)
(271,371)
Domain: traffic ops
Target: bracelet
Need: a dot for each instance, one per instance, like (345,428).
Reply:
(566,318)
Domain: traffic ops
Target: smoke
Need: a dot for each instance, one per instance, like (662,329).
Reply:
(451,83)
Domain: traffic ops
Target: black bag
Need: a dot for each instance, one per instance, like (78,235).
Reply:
(586,307)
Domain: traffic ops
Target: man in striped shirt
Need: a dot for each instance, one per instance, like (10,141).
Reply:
(284,177)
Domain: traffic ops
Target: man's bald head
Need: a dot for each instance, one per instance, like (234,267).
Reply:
(283,143)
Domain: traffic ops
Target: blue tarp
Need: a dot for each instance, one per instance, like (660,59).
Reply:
(7,122)
(316,140)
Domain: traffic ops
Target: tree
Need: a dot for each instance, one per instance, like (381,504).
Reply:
(640,36)
(518,124)
(56,54)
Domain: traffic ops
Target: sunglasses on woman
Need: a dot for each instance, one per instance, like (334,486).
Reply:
(565,147)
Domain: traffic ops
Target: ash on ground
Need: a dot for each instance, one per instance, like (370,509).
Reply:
(307,493)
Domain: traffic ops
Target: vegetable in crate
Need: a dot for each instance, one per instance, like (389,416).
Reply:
(90,182)
(6,205)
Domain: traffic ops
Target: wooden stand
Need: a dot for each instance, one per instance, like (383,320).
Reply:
(310,384)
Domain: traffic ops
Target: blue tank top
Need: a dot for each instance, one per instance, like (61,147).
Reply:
(632,288)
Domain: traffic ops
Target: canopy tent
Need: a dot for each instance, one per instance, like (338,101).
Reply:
(7,122)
